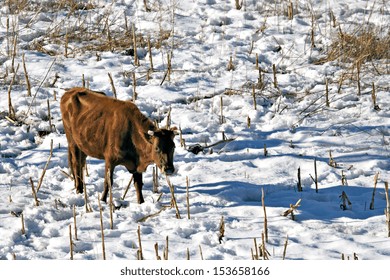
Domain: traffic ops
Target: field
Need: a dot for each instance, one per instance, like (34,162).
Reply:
(294,94)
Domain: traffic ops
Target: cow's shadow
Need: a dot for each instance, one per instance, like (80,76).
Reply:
(326,205)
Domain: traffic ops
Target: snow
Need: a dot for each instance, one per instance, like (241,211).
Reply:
(291,122)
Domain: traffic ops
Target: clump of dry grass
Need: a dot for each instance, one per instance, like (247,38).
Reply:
(17,6)
(360,46)
(360,53)
(76,33)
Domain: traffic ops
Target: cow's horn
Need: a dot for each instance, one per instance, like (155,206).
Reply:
(151,132)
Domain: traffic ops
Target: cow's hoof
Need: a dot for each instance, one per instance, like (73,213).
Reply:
(140,201)
(104,199)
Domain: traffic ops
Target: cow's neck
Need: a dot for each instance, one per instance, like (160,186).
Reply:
(145,148)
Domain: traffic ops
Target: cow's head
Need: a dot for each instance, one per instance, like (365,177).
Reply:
(163,148)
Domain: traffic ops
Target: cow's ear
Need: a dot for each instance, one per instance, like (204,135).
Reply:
(175,130)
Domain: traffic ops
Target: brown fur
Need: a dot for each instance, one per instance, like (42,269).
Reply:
(116,131)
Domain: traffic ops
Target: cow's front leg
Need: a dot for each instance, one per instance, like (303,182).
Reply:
(138,186)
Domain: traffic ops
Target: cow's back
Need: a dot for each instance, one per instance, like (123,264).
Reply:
(100,126)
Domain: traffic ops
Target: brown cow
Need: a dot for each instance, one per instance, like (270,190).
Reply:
(106,128)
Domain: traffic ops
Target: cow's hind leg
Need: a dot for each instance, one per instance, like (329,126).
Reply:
(138,186)
(108,180)
(77,162)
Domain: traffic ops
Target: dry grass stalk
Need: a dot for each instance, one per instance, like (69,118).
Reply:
(312,39)
(173,199)
(134,86)
(182,141)
(75,222)
(333,17)
(188,254)
(260,80)
(111,199)
(26,77)
(264,253)
(8,37)
(11,110)
(285,248)
(23,228)
(201,252)
(188,197)
(112,85)
(230,66)
(168,123)
(315,179)
(265,215)
(166,250)
(254,97)
(221,117)
(143,219)
(290,11)
(49,116)
(102,228)
(373,96)
(274,73)
(299,184)
(169,66)
(70,242)
(83,81)
(265,150)
(139,252)
(358,67)
(238,4)
(345,200)
(88,209)
(127,188)
(146,6)
(34,192)
(221,234)
(373,191)
(86,169)
(136,61)
(387,210)
(327,93)
(67,174)
(341,81)
(66,44)
(46,166)
(150,55)
(155,179)
(332,162)
(156,250)
(292,208)
(255,256)
(344,181)
(14,49)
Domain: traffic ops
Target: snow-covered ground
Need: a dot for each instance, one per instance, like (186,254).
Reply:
(291,121)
